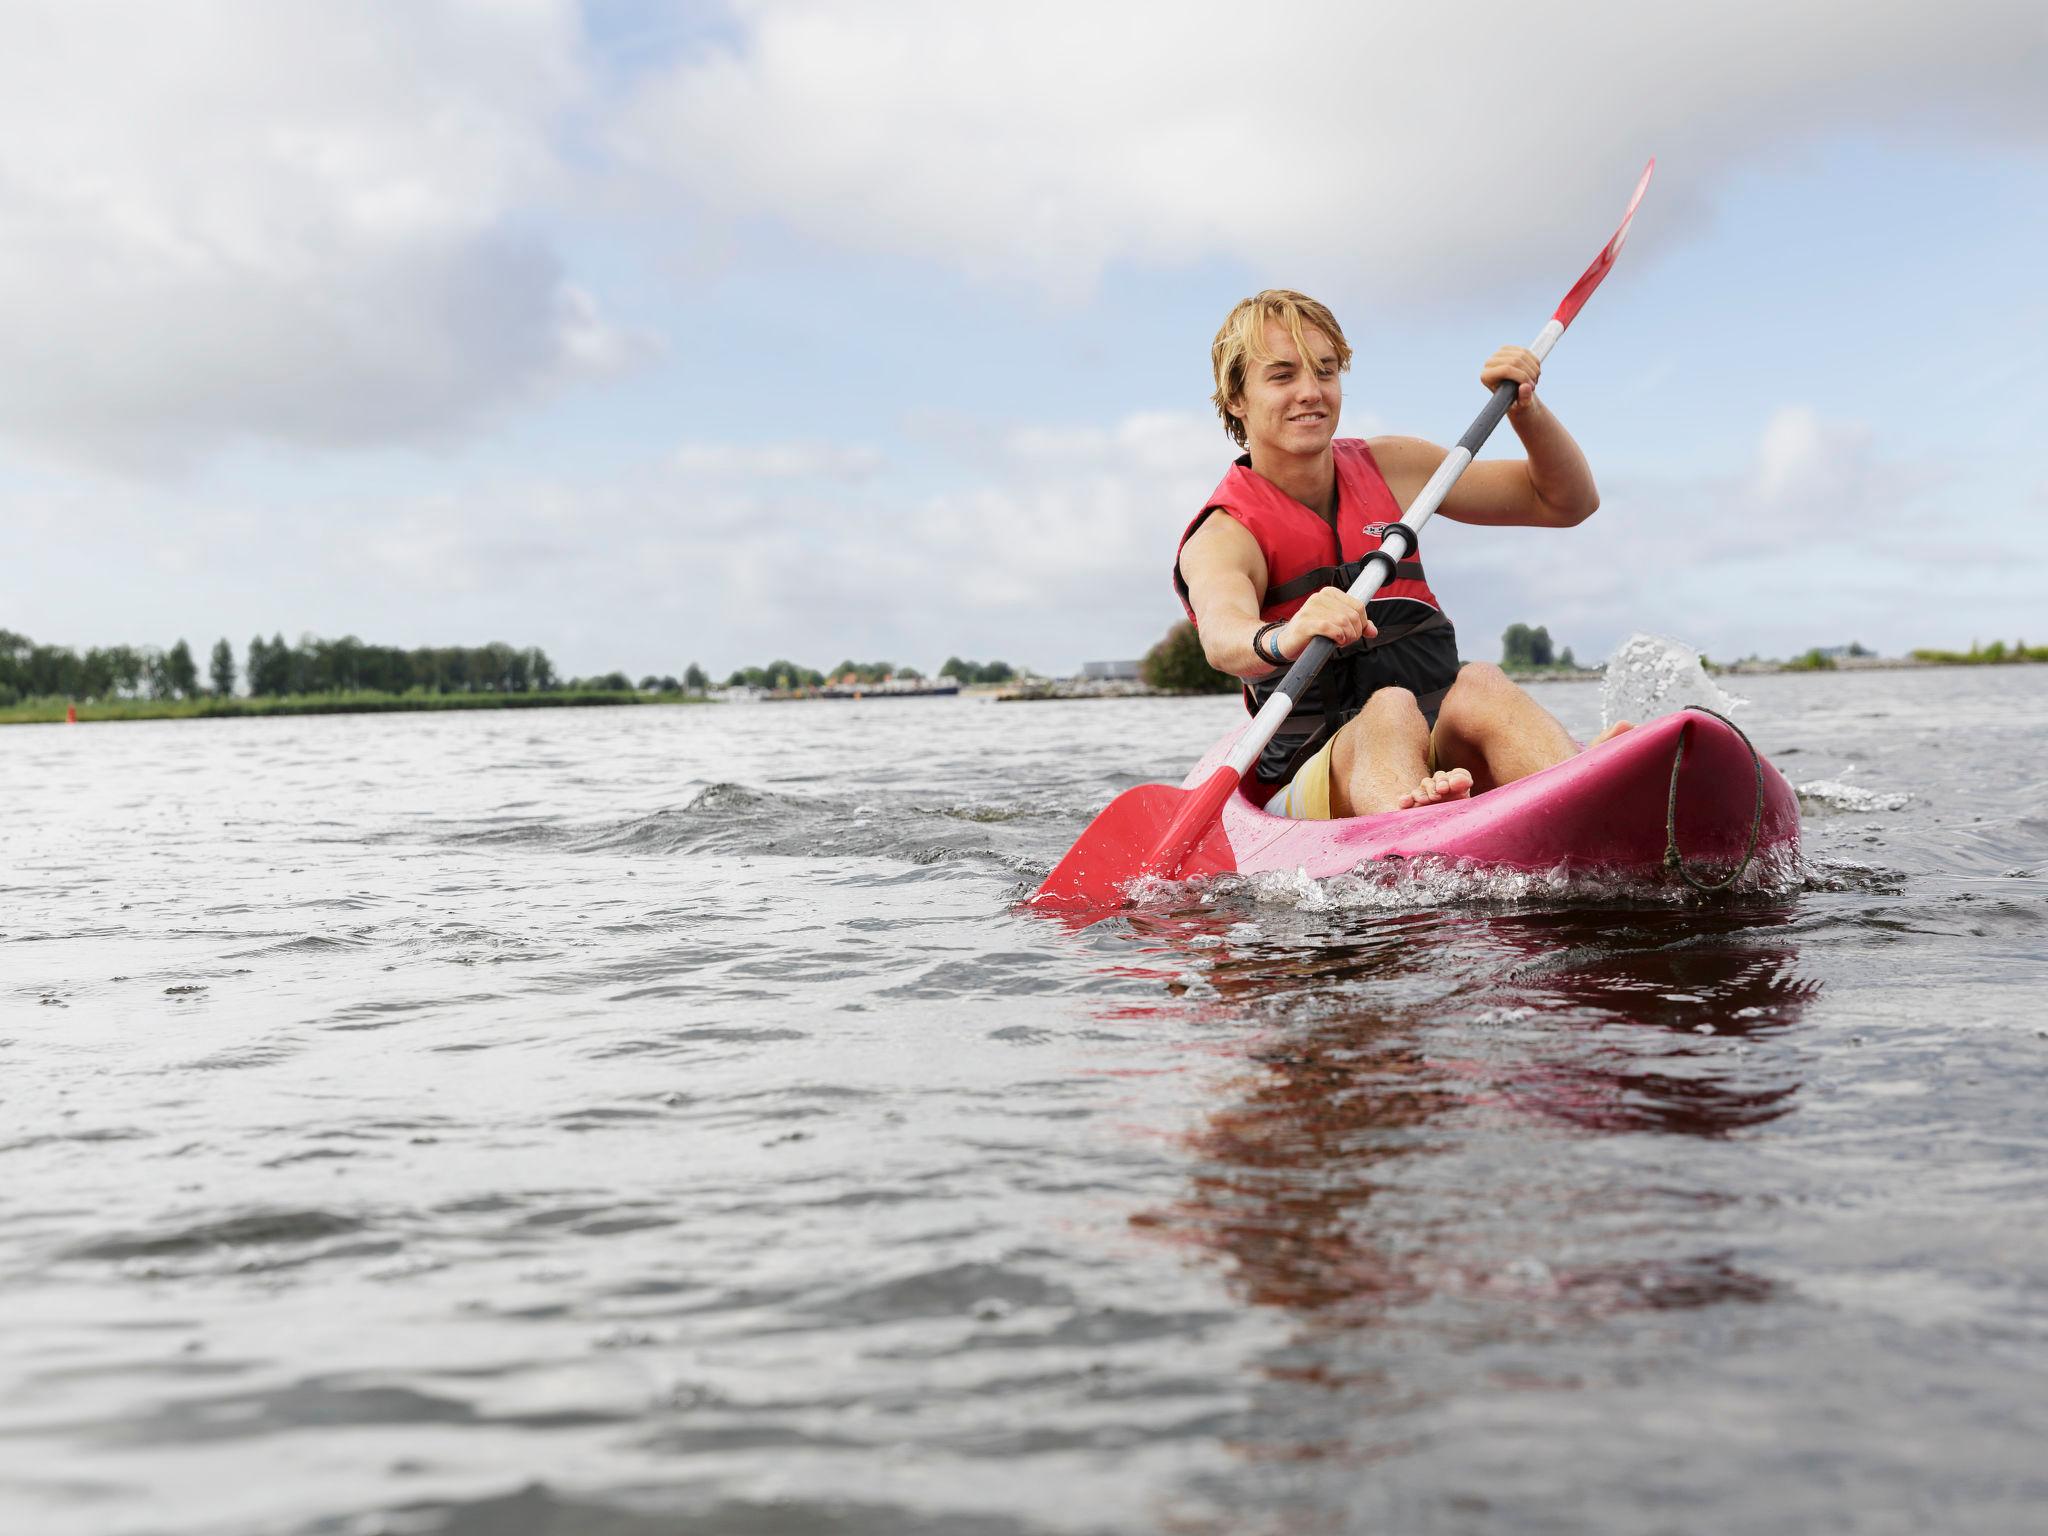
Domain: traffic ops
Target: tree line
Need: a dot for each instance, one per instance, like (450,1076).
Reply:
(1524,649)
(273,669)
(788,675)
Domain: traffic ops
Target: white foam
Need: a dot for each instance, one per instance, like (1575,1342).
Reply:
(1418,884)
(1834,795)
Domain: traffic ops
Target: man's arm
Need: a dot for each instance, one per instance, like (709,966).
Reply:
(1552,488)
(1226,577)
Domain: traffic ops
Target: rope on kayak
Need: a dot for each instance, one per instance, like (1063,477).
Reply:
(1673,860)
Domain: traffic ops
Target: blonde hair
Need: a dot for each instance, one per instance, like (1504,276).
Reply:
(1242,342)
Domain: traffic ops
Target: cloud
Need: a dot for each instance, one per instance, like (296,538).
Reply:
(1817,538)
(778,461)
(1050,547)
(282,221)
(1397,147)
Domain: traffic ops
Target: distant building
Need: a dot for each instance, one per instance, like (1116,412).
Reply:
(1110,671)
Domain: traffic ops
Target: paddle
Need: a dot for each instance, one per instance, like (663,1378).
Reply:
(1159,830)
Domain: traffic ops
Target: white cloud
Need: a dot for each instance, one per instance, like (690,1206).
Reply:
(1818,538)
(1815,471)
(1054,549)
(281,220)
(1398,147)
(778,461)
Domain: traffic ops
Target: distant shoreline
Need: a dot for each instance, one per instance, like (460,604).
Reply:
(106,711)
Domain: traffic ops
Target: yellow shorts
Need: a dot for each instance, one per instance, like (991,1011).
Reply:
(1306,796)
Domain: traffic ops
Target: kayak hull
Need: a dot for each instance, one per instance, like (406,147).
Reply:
(1601,812)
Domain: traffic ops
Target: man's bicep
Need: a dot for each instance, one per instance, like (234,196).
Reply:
(1223,568)
(1405,463)
(1497,493)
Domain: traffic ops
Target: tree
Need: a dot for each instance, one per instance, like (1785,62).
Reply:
(1176,664)
(180,673)
(695,679)
(223,668)
(997,672)
(1524,648)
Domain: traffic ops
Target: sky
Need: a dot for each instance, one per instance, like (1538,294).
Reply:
(655,333)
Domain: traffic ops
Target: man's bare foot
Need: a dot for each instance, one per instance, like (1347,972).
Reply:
(1450,784)
(1612,731)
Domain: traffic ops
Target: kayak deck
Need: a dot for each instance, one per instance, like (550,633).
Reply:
(1603,811)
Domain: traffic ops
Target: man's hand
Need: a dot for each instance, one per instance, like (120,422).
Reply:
(1517,363)
(1333,612)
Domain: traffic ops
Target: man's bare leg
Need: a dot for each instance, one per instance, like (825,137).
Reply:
(1382,756)
(1497,733)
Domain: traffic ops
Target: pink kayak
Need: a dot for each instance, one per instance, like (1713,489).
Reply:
(1610,810)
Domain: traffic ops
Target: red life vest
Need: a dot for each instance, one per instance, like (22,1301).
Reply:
(1416,647)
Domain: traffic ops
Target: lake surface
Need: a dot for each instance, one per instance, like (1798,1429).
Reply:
(646,1120)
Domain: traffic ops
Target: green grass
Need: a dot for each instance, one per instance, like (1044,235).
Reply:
(45,711)
(1994,654)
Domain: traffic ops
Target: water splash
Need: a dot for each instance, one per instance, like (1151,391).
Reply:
(1431,883)
(1652,675)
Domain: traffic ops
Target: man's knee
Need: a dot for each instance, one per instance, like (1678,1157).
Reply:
(1389,707)
(1479,689)
(1477,677)
(1390,715)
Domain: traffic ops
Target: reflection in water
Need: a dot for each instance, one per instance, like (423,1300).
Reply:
(1439,1121)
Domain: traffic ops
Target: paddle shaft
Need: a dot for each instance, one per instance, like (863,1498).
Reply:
(1380,564)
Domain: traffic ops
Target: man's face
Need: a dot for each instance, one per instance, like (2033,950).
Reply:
(1287,407)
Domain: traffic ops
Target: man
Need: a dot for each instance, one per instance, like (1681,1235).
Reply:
(1393,720)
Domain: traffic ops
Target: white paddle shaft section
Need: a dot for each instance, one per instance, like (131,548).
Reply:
(1265,725)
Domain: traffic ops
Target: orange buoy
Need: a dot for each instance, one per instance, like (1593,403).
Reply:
(71,714)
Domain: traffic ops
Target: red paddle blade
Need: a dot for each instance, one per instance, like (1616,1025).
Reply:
(1154,829)
(1582,290)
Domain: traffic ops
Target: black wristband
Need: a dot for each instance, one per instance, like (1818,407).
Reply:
(1271,658)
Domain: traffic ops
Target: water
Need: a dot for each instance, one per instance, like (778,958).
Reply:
(1652,675)
(630,1121)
